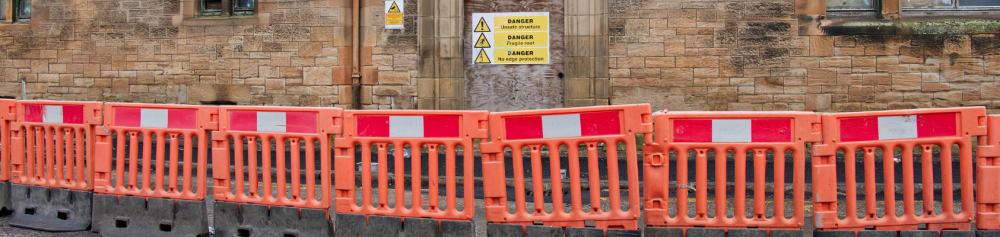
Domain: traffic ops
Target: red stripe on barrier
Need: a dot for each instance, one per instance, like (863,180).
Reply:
(602,123)
(523,127)
(441,126)
(129,117)
(936,125)
(693,130)
(243,120)
(33,113)
(859,129)
(182,118)
(373,126)
(771,130)
(73,114)
(300,122)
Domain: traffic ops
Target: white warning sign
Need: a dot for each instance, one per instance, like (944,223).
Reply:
(394,14)
(510,38)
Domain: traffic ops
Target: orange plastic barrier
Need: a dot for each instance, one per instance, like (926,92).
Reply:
(132,123)
(572,127)
(722,132)
(294,125)
(888,130)
(53,143)
(420,130)
(988,190)
(8,114)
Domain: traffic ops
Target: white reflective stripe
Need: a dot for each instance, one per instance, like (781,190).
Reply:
(566,125)
(732,130)
(406,126)
(897,127)
(52,114)
(270,122)
(154,118)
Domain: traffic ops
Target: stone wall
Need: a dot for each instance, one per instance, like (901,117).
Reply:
(749,55)
(675,54)
(294,53)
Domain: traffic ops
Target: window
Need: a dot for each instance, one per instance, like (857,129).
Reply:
(850,4)
(227,7)
(3,11)
(948,4)
(15,10)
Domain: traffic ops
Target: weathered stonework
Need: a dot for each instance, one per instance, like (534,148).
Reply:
(674,54)
(755,55)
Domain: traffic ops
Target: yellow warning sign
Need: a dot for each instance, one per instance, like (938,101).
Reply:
(481,26)
(510,38)
(521,23)
(483,58)
(394,8)
(482,42)
(521,56)
(522,39)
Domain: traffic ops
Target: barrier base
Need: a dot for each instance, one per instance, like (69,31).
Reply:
(50,209)
(706,232)
(515,230)
(138,216)
(663,231)
(741,232)
(785,233)
(374,225)
(988,233)
(235,219)
(5,196)
(595,232)
(958,233)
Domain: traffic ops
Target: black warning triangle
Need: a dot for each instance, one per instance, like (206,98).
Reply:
(482,42)
(482,27)
(394,8)
(483,58)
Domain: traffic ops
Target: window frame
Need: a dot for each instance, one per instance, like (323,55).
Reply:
(15,11)
(955,7)
(229,9)
(876,5)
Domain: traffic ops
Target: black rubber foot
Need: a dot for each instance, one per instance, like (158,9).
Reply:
(706,232)
(739,232)
(988,233)
(232,219)
(834,233)
(623,233)
(888,233)
(139,216)
(50,209)
(958,233)
(787,233)
(919,233)
(663,232)
(359,225)
(514,230)
(5,197)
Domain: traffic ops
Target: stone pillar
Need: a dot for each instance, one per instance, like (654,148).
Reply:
(587,80)
(441,83)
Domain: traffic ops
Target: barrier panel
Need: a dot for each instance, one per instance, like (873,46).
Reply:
(535,130)
(266,199)
(8,114)
(52,164)
(896,134)
(769,136)
(988,179)
(395,132)
(178,136)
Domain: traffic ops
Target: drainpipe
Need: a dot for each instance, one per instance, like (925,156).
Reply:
(356,69)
